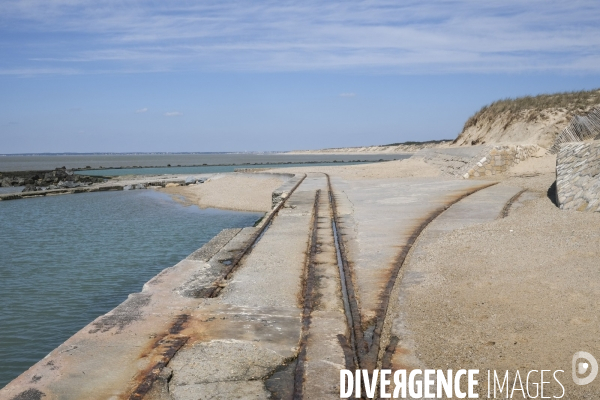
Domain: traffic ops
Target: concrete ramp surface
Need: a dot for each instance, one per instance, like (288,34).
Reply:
(269,312)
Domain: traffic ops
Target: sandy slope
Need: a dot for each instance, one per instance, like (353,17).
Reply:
(522,292)
(390,169)
(244,192)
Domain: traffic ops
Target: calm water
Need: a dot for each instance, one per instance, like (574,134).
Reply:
(209,169)
(65,260)
(42,162)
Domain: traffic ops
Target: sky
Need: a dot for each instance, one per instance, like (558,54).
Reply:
(169,76)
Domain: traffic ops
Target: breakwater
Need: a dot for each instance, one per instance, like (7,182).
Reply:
(108,185)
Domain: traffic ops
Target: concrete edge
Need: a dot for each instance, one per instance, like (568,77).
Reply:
(210,250)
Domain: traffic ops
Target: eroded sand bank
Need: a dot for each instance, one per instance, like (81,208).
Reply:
(406,168)
(243,192)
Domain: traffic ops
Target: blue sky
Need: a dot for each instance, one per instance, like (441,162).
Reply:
(232,76)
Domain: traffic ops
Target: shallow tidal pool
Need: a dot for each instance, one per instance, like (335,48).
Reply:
(65,260)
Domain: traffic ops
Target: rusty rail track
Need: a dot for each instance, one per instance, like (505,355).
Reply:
(308,293)
(508,205)
(356,340)
(367,355)
(214,292)
(170,343)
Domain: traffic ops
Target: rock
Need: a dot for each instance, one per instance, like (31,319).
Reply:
(190,180)
(69,184)
(29,188)
(134,187)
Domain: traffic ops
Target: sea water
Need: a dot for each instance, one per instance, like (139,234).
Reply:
(238,160)
(65,260)
(200,169)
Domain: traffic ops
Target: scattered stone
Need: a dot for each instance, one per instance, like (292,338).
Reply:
(68,184)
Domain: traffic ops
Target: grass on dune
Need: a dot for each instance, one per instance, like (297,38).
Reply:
(530,107)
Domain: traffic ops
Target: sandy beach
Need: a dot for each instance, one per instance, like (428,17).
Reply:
(520,292)
(252,191)
(241,192)
(406,168)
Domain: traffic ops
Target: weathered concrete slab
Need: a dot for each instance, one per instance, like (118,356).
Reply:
(324,345)
(283,191)
(123,353)
(253,328)
(379,220)
(483,206)
(215,244)
(231,323)
(201,283)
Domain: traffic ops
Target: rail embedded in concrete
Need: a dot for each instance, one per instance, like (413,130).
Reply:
(274,311)
(368,323)
(483,206)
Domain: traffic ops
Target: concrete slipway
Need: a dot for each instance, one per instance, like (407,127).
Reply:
(274,311)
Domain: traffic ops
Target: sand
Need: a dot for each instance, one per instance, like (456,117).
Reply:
(406,168)
(237,191)
(534,165)
(527,295)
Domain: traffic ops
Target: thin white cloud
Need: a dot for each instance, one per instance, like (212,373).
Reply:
(173,114)
(141,110)
(378,35)
(38,71)
(347,94)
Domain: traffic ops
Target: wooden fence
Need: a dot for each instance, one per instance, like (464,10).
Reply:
(579,129)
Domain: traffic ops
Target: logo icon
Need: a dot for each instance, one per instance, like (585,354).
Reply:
(581,367)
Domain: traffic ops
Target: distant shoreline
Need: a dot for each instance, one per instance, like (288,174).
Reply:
(119,162)
(139,153)
(230,164)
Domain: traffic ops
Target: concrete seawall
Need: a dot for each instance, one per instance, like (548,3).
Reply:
(273,311)
(115,355)
(477,161)
(578,176)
